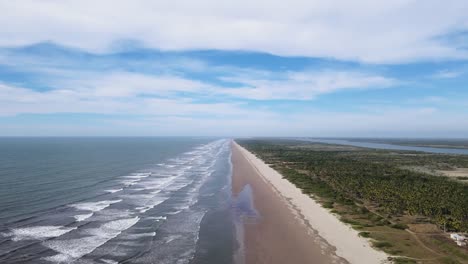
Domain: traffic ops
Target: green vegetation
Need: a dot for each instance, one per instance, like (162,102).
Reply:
(348,176)
(403,261)
(374,192)
(364,234)
(381,244)
(328,204)
(399,226)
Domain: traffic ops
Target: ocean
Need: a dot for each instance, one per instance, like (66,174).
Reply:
(116,200)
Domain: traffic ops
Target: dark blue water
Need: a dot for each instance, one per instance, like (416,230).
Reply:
(114,200)
(390,146)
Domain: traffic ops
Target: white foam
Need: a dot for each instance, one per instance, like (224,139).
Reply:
(138,189)
(138,197)
(72,249)
(39,232)
(140,235)
(156,192)
(158,184)
(83,217)
(175,212)
(157,218)
(116,225)
(137,176)
(179,185)
(113,190)
(143,209)
(109,261)
(172,238)
(94,206)
(129,182)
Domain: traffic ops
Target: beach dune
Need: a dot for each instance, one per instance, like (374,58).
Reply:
(291,227)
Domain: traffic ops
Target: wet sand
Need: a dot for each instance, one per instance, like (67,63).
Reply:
(276,234)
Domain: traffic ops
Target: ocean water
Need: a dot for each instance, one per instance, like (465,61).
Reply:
(115,200)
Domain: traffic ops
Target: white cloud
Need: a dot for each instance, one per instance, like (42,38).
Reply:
(126,100)
(364,30)
(108,92)
(128,85)
(185,116)
(448,74)
(172,96)
(304,85)
(411,122)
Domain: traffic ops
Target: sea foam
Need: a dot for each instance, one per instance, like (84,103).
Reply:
(72,249)
(94,206)
(39,232)
(113,190)
(83,217)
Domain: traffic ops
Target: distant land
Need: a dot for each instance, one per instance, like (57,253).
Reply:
(419,142)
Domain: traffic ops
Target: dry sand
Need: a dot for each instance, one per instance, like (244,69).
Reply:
(292,227)
(458,172)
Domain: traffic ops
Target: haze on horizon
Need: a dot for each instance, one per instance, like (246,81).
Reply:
(263,68)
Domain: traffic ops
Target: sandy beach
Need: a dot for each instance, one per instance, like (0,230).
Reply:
(290,226)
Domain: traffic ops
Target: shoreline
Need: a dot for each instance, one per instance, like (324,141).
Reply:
(339,241)
(268,231)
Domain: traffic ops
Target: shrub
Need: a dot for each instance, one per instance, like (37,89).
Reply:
(382,244)
(399,226)
(364,234)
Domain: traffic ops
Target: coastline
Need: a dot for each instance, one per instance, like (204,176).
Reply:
(319,236)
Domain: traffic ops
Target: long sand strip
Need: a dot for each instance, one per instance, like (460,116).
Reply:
(346,240)
(268,231)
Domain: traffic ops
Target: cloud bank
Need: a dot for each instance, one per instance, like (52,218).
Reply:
(362,30)
(253,68)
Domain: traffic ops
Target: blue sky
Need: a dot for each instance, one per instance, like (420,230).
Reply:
(306,68)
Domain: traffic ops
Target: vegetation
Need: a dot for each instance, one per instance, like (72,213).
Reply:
(375,193)
(348,178)
(364,234)
(381,244)
(399,226)
(403,261)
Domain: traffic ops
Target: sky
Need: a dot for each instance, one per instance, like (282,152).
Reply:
(234,68)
